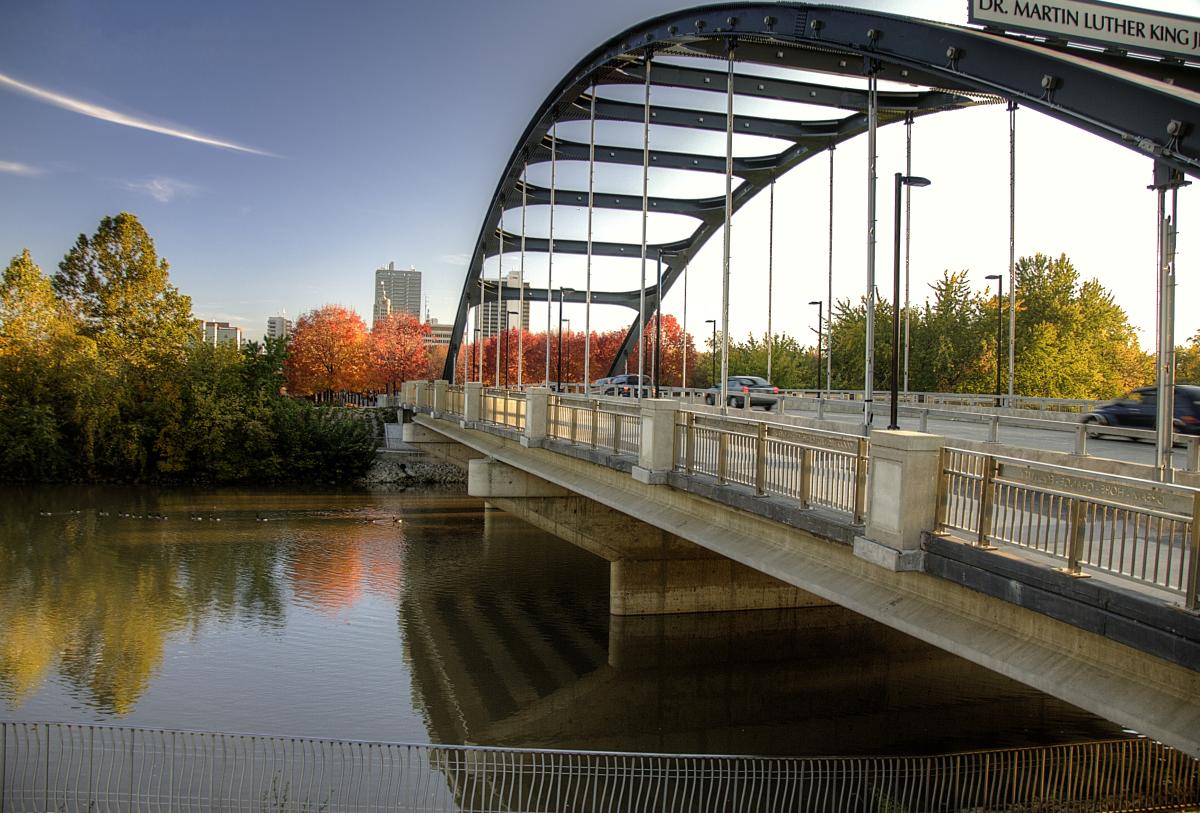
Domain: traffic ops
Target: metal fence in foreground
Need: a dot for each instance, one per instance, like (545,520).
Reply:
(66,767)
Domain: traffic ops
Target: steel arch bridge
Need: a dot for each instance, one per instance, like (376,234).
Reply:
(1147,104)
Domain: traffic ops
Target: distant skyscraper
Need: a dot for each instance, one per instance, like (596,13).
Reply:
(491,325)
(278,327)
(439,334)
(220,333)
(397,289)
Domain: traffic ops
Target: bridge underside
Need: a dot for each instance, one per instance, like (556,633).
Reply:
(1081,667)
(702,63)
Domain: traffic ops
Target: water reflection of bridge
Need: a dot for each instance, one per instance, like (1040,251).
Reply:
(520,658)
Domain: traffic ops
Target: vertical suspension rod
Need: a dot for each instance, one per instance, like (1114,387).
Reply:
(770,276)
(869,361)
(1012,249)
(587,311)
(908,123)
(550,271)
(829,305)
(645,217)
(521,281)
(499,292)
(727,230)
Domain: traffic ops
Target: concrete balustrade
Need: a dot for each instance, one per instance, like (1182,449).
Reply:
(656,455)
(421,394)
(441,397)
(472,401)
(537,414)
(905,472)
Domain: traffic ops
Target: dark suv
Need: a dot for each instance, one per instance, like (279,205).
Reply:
(761,392)
(1139,410)
(625,385)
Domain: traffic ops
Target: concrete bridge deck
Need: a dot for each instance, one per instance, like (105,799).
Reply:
(683,541)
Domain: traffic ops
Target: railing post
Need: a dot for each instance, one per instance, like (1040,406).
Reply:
(536,409)
(595,422)
(616,444)
(1192,594)
(806,456)
(924,424)
(722,454)
(994,429)
(943,493)
(656,451)
(760,460)
(1193,453)
(1081,439)
(472,401)
(860,482)
(574,423)
(986,498)
(820,408)
(441,397)
(1075,529)
(690,459)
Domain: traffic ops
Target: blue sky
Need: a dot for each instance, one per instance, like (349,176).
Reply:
(375,132)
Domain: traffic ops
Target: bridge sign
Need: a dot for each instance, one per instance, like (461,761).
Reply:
(1094,22)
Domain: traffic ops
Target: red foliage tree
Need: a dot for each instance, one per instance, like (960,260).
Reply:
(603,349)
(328,351)
(398,350)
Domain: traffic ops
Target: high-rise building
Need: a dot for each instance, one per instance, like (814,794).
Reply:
(397,289)
(278,327)
(439,333)
(220,333)
(493,320)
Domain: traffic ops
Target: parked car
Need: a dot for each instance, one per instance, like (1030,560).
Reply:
(624,385)
(1139,410)
(761,392)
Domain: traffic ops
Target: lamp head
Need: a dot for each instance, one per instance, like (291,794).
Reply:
(993,276)
(816,302)
(914,180)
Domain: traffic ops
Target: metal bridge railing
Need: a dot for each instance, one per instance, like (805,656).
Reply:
(455,399)
(596,423)
(814,467)
(1142,530)
(504,408)
(68,767)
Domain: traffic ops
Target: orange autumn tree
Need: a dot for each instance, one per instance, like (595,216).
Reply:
(399,351)
(328,351)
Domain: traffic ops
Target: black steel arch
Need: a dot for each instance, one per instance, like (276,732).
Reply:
(1151,105)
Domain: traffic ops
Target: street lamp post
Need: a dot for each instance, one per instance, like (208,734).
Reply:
(567,322)
(999,326)
(894,407)
(562,292)
(712,356)
(820,305)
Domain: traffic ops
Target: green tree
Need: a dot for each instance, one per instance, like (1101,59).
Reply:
(46,377)
(118,286)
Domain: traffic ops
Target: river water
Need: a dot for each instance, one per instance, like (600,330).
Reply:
(419,616)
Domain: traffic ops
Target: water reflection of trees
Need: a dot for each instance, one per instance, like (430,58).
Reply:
(100,605)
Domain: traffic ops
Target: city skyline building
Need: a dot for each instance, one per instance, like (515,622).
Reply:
(494,320)
(216,333)
(396,289)
(278,327)
(439,333)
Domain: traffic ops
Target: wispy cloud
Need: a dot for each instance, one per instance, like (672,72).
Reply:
(107,114)
(163,190)
(457,260)
(14,168)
